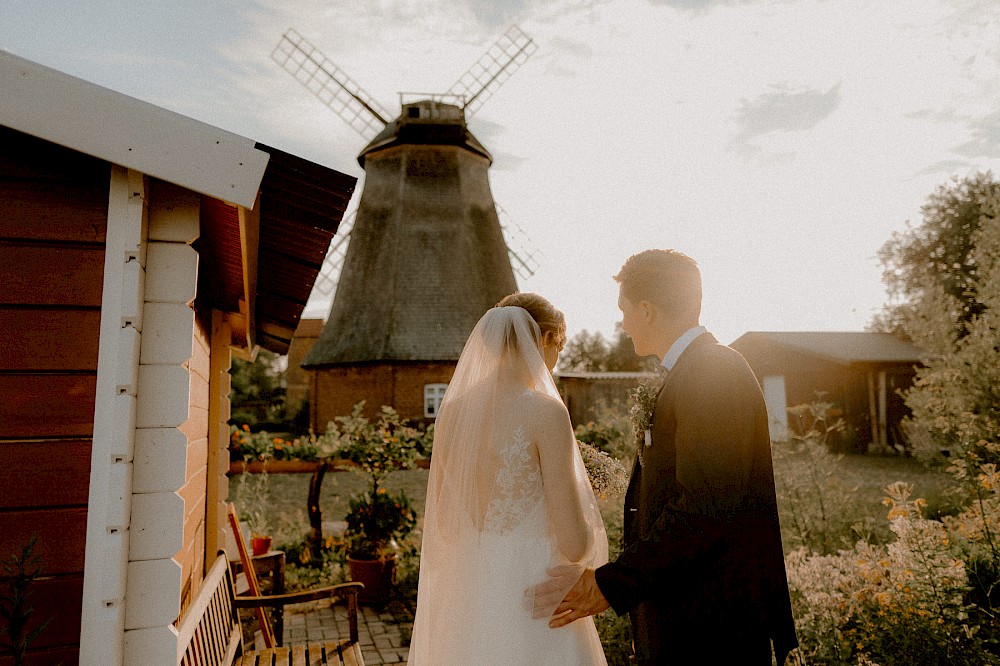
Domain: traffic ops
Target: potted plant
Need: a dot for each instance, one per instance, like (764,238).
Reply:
(251,496)
(375,523)
(376,518)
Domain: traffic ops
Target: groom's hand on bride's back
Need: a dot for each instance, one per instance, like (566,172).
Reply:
(564,600)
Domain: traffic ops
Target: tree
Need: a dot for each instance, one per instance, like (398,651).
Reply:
(939,255)
(257,389)
(591,352)
(953,314)
(946,273)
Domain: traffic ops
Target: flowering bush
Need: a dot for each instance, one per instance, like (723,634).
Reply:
(262,446)
(375,521)
(378,448)
(903,603)
(817,509)
(601,435)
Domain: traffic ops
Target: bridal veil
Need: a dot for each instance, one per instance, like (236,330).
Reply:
(497,514)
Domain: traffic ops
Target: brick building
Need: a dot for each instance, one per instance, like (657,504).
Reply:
(296,377)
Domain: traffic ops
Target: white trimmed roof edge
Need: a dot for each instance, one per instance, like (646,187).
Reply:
(123,130)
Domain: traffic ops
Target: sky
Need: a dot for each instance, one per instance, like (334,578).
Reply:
(779,143)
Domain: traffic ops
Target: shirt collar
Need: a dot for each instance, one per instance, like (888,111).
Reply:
(680,344)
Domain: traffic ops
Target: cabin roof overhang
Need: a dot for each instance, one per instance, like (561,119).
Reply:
(267,216)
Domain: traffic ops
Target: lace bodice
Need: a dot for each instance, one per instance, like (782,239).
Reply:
(518,485)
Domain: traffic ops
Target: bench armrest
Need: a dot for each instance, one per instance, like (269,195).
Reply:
(347,590)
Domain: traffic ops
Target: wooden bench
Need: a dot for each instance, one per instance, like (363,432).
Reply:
(210,633)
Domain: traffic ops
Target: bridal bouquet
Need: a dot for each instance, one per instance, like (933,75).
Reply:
(608,477)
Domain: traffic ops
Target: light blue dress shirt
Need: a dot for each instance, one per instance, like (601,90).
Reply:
(680,344)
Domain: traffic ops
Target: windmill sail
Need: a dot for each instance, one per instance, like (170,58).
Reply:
(493,68)
(330,84)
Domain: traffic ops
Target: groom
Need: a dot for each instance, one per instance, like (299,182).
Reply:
(702,572)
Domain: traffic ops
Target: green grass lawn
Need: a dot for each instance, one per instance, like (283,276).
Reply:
(862,477)
(286,496)
(839,499)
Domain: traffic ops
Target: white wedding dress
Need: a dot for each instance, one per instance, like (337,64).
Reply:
(490,527)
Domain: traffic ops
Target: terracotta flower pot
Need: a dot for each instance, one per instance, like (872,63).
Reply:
(260,544)
(378,577)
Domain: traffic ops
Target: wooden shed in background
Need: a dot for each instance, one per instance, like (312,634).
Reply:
(861,373)
(138,250)
(586,393)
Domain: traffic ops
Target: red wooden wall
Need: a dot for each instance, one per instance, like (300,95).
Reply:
(53,216)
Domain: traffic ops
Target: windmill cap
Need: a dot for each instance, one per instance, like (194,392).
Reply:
(427,122)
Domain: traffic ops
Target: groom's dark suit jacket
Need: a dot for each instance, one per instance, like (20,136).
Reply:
(702,562)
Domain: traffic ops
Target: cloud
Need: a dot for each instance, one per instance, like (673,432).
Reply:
(944,167)
(934,116)
(496,13)
(983,133)
(985,141)
(783,110)
(697,5)
(573,47)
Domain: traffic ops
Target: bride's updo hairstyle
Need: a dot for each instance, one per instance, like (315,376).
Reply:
(548,318)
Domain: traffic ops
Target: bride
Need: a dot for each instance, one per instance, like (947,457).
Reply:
(507,498)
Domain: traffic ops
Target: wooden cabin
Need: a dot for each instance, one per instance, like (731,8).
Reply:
(139,249)
(862,374)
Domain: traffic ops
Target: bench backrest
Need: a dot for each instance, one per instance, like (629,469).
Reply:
(210,634)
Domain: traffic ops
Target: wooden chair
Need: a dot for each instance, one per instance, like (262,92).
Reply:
(210,633)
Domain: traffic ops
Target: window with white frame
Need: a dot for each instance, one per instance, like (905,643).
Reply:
(433,393)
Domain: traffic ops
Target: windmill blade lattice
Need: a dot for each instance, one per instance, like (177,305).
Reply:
(329,272)
(494,67)
(523,256)
(330,84)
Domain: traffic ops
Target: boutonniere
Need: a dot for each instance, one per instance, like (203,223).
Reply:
(641,413)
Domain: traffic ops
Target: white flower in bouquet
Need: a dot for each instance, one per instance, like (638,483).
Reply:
(608,476)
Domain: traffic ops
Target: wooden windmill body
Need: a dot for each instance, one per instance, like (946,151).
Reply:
(427,257)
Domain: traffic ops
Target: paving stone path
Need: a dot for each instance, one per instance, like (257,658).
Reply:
(384,635)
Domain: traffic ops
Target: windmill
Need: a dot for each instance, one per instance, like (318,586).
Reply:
(427,254)
(337,90)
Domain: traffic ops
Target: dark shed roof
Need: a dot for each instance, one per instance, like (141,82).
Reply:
(301,206)
(840,347)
